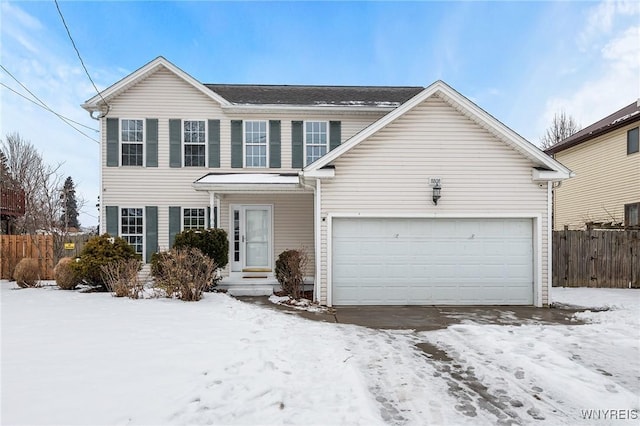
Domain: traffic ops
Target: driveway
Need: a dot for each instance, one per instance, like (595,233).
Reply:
(427,318)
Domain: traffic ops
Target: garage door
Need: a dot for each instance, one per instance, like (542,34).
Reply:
(432,261)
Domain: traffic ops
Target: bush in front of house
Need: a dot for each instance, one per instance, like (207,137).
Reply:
(212,242)
(121,278)
(184,273)
(290,267)
(27,273)
(65,274)
(100,251)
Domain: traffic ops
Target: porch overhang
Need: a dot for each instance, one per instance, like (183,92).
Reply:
(233,183)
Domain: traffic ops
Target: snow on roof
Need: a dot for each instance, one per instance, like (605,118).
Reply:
(249,178)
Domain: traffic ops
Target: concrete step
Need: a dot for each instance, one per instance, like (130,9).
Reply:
(248,290)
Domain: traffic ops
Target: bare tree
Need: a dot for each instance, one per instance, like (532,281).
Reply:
(562,126)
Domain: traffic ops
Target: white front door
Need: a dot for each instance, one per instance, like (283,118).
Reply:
(251,238)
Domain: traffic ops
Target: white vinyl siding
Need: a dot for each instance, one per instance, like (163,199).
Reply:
(606,179)
(481,176)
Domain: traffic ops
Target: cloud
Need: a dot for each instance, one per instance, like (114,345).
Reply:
(612,79)
(601,20)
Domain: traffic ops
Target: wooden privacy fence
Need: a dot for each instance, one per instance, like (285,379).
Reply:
(13,248)
(596,258)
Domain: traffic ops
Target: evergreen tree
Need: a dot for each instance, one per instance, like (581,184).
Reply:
(69,218)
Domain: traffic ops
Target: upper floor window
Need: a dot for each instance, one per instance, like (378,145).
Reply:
(255,143)
(132,140)
(316,138)
(131,228)
(194,137)
(193,219)
(632,141)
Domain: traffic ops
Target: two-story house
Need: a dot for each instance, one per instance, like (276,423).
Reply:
(400,195)
(605,157)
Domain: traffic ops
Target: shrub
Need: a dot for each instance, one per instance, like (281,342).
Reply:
(27,273)
(290,267)
(65,274)
(184,273)
(212,242)
(100,251)
(121,278)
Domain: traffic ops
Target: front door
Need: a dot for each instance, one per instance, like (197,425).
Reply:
(251,246)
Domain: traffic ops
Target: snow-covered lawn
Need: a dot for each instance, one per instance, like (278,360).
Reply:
(88,359)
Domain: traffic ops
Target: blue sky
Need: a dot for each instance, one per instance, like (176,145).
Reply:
(520,61)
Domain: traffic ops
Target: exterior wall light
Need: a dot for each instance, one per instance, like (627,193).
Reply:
(436,192)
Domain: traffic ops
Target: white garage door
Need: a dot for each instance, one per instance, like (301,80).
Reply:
(432,261)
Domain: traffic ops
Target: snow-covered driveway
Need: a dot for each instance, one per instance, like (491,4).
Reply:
(71,358)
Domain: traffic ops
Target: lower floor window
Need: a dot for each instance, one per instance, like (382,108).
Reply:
(632,214)
(193,219)
(131,227)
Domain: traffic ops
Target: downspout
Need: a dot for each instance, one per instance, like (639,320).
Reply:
(316,233)
(550,205)
(212,208)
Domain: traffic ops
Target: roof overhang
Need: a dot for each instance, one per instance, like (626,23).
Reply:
(542,175)
(249,183)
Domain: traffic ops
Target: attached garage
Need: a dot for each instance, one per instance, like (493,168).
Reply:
(428,261)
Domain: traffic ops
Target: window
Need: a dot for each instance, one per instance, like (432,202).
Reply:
(194,143)
(316,140)
(132,137)
(194,219)
(632,141)
(131,227)
(255,140)
(632,214)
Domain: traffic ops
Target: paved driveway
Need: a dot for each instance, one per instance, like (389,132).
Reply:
(426,318)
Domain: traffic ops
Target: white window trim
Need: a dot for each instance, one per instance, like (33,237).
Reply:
(182,209)
(144,140)
(183,143)
(244,143)
(144,228)
(304,139)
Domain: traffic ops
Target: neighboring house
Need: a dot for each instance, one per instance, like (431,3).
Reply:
(605,157)
(353,174)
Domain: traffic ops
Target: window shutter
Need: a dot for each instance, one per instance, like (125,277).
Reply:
(112,142)
(152,142)
(111,213)
(175,154)
(151,231)
(214,143)
(236,143)
(208,218)
(335,134)
(274,144)
(297,139)
(174,224)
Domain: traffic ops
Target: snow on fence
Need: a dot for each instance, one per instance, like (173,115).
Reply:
(596,258)
(13,248)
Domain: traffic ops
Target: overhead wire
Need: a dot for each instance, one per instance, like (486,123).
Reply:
(44,105)
(80,57)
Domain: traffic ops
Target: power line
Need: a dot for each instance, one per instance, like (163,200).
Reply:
(38,105)
(78,53)
(45,106)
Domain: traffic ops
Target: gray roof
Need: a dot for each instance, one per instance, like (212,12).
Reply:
(315,95)
(622,117)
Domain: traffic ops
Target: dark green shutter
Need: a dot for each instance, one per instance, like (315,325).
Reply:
(236,144)
(175,129)
(214,143)
(152,142)
(111,213)
(151,231)
(208,218)
(215,216)
(297,139)
(335,134)
(112,142)
(174,224)
(274,144)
